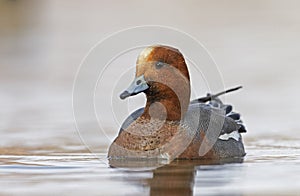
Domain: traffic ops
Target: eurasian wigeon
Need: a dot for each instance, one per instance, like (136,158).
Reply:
(170,125)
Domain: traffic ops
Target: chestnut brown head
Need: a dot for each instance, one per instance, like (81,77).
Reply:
(162,74)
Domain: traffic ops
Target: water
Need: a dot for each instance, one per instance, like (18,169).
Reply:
(265,170)
(255,43)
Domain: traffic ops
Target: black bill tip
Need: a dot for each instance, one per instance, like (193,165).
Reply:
(124,95)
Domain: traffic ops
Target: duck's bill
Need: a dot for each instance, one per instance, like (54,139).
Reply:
(138,85)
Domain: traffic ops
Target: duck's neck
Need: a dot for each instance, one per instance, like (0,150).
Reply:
(167,105)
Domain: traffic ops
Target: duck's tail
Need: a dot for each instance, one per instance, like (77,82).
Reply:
(214,101)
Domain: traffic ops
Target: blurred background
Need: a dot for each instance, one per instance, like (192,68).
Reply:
(255,43)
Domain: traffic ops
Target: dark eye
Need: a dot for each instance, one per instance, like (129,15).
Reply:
(159,65)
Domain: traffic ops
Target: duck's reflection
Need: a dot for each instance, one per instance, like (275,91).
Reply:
(176,178)
(173,179)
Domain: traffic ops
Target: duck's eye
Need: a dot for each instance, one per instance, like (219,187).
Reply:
(159,65)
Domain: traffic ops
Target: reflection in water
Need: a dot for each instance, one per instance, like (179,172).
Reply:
(91,173)
(176,178)
(173,179)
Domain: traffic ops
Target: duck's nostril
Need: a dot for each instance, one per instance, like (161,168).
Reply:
(138,82)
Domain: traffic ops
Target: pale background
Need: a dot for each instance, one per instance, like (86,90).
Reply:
(255,44)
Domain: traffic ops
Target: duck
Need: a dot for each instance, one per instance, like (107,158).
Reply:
(171,126)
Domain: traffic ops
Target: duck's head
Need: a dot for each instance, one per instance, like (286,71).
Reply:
(162,74)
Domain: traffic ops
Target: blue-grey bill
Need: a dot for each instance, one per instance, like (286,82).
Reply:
(138,85)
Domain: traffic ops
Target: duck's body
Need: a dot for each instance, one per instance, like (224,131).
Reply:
(170,126)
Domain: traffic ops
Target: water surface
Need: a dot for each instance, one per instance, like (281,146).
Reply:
(268,168)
